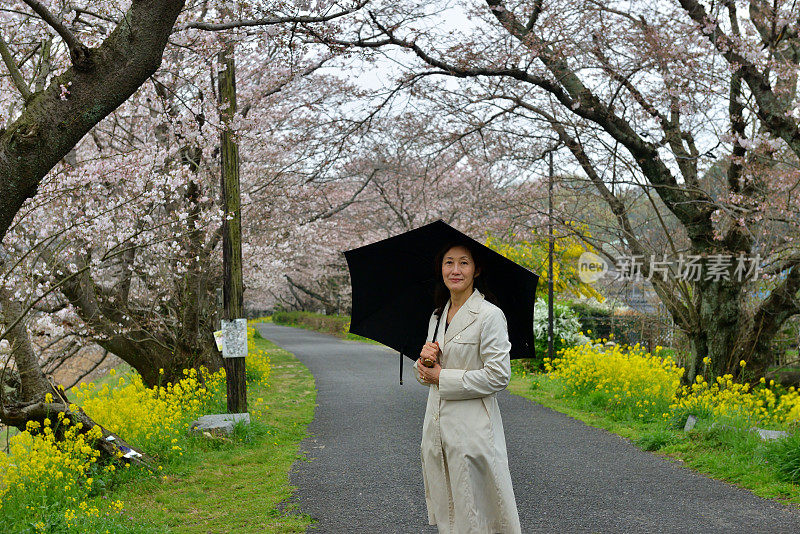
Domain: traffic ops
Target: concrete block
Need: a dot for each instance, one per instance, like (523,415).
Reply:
(219,423)
(770,435)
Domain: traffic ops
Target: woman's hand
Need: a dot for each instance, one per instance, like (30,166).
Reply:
(428,363)
(429,375)
(430,354)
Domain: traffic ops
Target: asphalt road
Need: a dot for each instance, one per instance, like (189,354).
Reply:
(363,473)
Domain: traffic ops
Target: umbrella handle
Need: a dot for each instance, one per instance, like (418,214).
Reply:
(435,332)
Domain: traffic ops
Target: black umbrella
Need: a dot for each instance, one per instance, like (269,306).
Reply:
(393,282)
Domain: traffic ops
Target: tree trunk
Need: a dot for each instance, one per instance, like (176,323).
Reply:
(33,384)
(150,356)
(19,414)
(699,351)
(728,334)
(181,339)
(722,318)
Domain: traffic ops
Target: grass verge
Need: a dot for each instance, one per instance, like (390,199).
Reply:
(237,485)
(722,452)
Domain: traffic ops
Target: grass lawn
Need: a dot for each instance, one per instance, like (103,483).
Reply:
(236,485)
(735,456)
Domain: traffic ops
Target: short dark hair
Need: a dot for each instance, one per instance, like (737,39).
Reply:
(440,293)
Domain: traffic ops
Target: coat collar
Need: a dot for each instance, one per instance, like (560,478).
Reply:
(464,317)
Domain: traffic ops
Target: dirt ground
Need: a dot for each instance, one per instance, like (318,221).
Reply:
(82,362)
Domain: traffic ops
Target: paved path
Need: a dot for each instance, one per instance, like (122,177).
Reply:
(363,473)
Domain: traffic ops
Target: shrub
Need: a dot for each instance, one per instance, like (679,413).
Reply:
(257,363)
(566,332)
(43,470)
(47,484)
(52,485)
(633,383)
(600,320)
(154,419)
(761,405)
(566,326)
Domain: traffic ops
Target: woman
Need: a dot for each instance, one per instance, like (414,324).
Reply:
(464,461)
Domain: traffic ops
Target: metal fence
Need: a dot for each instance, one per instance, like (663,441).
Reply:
(650,331)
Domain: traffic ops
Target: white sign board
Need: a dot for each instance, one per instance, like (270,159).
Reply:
(218,339)
(234,338)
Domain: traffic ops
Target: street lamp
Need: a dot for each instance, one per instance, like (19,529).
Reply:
(550,246)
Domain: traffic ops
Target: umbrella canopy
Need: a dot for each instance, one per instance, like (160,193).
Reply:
(393,283)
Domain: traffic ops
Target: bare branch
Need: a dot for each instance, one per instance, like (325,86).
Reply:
(280,86)
(770,109)
(29,55)
(83,11)
(16,75)
(299,19)
(44,66)
(55,363)
(78,52)
(537,10)
(333,211)
(693,208)
(307,291)
(87,373)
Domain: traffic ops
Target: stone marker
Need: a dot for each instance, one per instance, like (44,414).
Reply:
(690,422)
(769,435)
(219,423)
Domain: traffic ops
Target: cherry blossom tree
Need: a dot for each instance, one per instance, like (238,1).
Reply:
(687,106)
(119,243)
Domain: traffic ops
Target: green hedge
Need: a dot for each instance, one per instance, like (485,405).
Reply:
(337,325)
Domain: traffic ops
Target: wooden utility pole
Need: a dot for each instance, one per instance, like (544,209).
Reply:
(233,285)
(550,316)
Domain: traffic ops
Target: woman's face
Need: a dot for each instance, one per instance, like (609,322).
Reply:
(458,269)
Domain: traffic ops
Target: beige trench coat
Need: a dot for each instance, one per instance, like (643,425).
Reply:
(464,460)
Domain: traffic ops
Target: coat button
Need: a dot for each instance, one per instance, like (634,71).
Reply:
(458,336)
(436,417)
